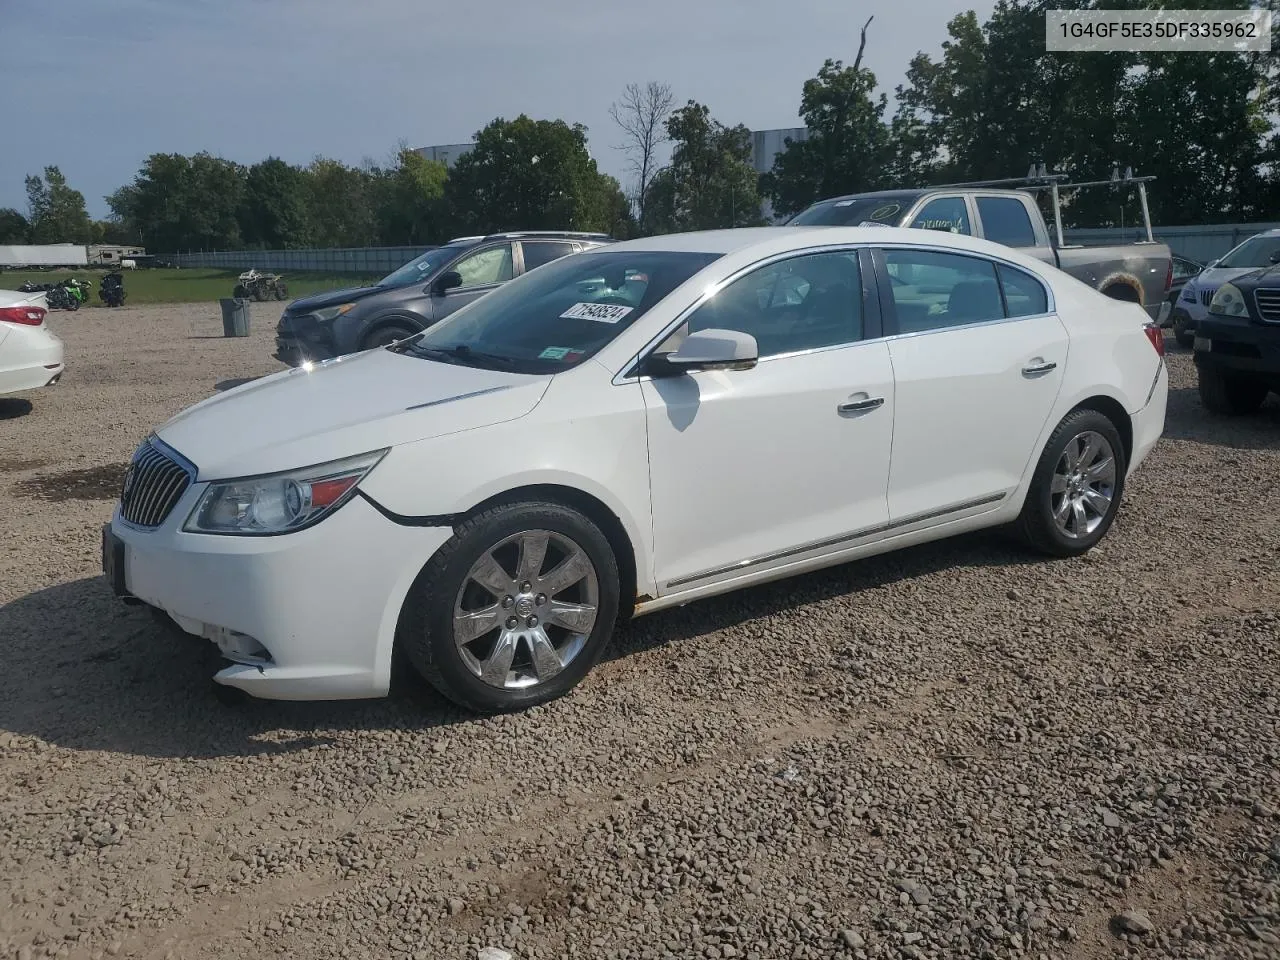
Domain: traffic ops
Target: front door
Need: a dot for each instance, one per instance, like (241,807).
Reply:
(758,468)
(978,363)
(481,270)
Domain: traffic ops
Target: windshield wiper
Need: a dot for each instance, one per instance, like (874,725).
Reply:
(460,351)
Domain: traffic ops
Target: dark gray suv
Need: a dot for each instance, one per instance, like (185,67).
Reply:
(412,298)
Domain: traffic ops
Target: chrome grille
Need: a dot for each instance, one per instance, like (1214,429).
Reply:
(153,485)
(1206,296)
(1268,302)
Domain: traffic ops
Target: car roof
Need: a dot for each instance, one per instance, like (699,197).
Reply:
(789,237)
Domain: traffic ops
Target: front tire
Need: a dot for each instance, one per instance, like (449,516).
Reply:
(514,610)
(384,336)
(1076,488)
(241,292)
(1228,395)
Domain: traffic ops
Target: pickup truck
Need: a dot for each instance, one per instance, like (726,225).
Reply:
(1138,272)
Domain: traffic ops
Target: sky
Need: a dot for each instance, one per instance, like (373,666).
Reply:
(95,86)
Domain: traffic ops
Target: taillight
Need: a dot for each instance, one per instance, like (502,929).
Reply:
(31,316)
(1156,336)
(1168,277)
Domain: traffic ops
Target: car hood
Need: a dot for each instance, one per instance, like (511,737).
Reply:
(1215,277)
(331,298)
(341,408)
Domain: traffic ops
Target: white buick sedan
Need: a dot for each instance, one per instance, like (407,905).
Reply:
(625,430)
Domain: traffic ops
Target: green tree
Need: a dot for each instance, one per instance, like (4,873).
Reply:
(533,175)
(273,213)
(14,227)
(710,182)
(995,101)
(847,149)
(183,203)
(56,212)
(411,207)
(340,200)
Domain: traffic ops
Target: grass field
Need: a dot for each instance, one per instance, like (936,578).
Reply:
(179,286)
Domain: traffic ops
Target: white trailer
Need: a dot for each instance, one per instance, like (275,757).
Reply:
(44,255)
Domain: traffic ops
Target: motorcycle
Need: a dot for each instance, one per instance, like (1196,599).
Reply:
(79,290)
(111,292)
(60,298)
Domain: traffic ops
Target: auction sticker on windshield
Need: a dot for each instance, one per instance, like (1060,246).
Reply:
(604,312)
(553,353)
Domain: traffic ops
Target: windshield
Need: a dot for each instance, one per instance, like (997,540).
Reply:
(420,268)
(850,213)
(1254,252)
(557,316)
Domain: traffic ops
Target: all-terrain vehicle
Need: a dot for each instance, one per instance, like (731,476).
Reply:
(261,286)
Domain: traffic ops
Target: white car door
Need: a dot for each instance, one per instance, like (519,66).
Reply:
(756,468)
(978,357)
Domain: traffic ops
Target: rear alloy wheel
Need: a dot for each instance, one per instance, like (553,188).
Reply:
(1230,395)
(515,609)
(1076,488)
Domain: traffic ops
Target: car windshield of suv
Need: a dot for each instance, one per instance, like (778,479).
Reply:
(420,268)
(1254,252)
(850,213)
(557,316)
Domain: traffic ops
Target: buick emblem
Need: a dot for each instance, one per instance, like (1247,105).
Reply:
(127,488)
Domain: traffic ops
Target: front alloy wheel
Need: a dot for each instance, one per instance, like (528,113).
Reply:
(515,609)
(526,609)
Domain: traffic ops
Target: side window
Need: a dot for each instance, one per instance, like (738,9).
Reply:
(946,213)
(491,265)
(1005,220)
(1024,295)
(799,304)
(932,291)
(538,252)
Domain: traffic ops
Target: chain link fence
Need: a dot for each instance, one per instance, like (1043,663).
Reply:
(362,261)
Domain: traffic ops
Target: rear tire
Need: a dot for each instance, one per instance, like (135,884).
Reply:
(1228,395)
(541,618)
(259,293)
(282,291)
(1076,488)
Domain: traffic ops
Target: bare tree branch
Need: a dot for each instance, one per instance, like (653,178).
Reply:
(641,114)
(862,45)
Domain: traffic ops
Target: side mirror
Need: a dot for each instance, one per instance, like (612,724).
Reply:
(447,281)
(715,350)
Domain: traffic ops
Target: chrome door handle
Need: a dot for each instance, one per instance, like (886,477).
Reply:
(856,406)
(1038,368)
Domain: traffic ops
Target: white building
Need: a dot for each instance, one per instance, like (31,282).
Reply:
(765,146)
(447,153)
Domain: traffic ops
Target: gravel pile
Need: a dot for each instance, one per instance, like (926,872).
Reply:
(953,751)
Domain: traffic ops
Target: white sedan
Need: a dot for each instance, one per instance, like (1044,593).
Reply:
(31,355)
(626,430)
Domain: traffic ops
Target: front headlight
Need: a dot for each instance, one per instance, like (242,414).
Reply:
(1189,293)
(279,502)
(332,313)
(1228,301)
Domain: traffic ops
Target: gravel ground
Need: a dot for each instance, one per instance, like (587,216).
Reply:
(953,751)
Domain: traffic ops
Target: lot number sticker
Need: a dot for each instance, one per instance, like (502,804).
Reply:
(604,312)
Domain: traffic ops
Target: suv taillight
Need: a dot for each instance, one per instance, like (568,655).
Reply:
(1168,278)
(31,316)
(1156,336)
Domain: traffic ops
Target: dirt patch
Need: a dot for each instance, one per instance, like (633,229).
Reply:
(89,483)
(21,466)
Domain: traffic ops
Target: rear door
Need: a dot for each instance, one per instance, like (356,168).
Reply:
(1007,220)
(978,357)
(534,253)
